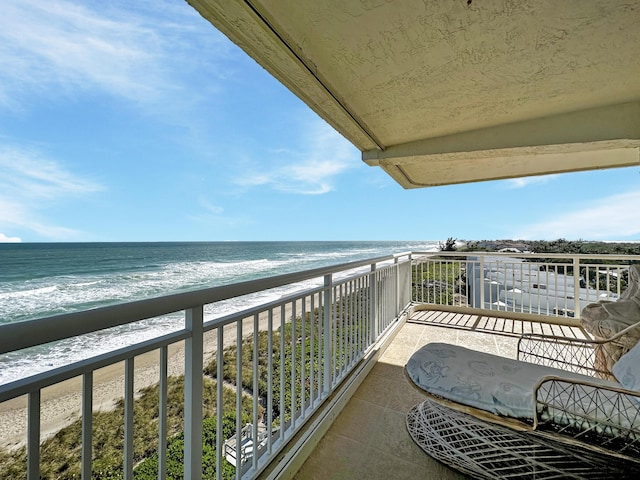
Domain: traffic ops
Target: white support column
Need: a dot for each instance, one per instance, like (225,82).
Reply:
(87,424)
(33,436)
(129,371)
(162,413)
(193,394)
(219,380)
(328,333)
(373,288)
(397,267)
(482,277)
(576,287)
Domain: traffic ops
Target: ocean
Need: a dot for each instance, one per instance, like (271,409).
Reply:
(43,279)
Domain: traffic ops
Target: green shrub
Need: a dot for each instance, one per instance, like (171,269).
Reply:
(61,454)
(148,469)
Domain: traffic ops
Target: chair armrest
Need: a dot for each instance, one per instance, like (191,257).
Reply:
(570,354)
(601,415)
(585,356)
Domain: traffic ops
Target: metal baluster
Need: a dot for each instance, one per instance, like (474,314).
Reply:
(193,393)
(239,426)
(128,418)
(270,382)
(87,424)
(162,413)
(256,392)
(219,400)
(33,436)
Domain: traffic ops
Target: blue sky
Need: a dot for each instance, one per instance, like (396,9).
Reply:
(138,121)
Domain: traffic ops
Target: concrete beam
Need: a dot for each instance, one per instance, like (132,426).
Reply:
(597,138)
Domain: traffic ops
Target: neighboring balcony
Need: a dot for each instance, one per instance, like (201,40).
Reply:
(314,382)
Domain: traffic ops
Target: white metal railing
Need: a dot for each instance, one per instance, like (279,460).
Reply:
(332,327)
(553,285)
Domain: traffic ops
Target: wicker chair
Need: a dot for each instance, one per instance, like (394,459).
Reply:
(581,424)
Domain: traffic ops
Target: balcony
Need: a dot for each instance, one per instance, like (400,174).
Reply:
(324,393)
(369,438)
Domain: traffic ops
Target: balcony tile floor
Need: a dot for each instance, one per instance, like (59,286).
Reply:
(369,438)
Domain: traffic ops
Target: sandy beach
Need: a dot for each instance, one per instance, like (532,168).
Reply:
(61,403)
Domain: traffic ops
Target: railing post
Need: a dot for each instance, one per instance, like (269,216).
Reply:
(87,425)
(193,394)
(33,436)
(328,332)
(162,414)
(397,267)
(129,373)
(576,288)
(373,288)
(482,281)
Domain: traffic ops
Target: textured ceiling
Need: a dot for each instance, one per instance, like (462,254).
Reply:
(425,88)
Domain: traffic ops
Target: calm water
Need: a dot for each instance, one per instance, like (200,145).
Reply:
(39,280)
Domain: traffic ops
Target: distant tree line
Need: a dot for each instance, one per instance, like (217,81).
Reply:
(561,245)
(584,247)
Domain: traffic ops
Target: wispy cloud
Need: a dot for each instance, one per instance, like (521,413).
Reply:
(211,208)
(62,48)
(526,181)
(27,174)
(310,170)
(29,183)
(613,217)
(214,216)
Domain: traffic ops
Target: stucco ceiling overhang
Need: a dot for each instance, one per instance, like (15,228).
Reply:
(438,92)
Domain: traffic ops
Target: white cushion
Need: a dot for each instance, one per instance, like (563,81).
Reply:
(627,369)
(499,385)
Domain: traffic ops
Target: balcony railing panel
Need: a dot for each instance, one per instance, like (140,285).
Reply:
(313,340)
(550,285)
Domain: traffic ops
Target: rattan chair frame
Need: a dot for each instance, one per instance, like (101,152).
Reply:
(580,429)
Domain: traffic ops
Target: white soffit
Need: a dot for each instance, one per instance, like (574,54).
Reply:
(450,91)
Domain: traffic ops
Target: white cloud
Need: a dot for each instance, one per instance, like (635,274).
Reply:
(26,174)
(5,239)
(308,171)
(613,217)
(526,181)
(214,217)
(29,183)
(211,208)
(62,48)
(66,47)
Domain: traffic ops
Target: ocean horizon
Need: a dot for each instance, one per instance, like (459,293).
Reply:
(44,279)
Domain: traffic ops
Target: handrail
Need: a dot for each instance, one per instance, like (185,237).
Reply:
(29,333)
(555,285)
(51,377)
(586,256)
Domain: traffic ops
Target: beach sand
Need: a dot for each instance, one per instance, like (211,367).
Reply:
(61,403)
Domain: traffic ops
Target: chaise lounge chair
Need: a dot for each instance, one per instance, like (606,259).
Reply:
(555,412)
